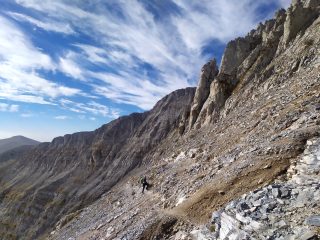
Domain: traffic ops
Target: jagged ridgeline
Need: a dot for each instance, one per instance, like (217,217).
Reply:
(202,148)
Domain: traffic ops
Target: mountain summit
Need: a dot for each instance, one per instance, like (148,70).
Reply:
(14,142)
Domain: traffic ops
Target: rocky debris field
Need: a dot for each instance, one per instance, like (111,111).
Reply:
(125,207)
(282,210)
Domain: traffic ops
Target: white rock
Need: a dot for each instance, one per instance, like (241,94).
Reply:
(242,219)
(180,235)
(228,224)
(180,157)
(181,200)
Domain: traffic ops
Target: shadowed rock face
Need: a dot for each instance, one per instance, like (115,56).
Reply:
(45,183)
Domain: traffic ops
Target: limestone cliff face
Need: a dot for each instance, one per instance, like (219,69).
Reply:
(244,57)
(208,73)
(41,185)
(299,16)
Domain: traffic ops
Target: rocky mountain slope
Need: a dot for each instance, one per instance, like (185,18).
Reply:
(236,158)
(16,141)
(58,178)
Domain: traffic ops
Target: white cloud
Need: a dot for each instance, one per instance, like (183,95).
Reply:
(136,91)
(94,54)
(92,118)
(20,63)
(95,108)
(15,96)
(285,3)
(138,39)
(91,107)
(48,26)
(4,107)
(14,108)
(17,51)
(68,65)
(171,45)
(27,115)
(61,117)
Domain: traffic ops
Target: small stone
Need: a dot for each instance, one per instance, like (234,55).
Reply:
(281,224)
(256,225)
(275,192)
(313,220)
(309,142)
(268,166)
(280,201)
(253,209)
(284,193)
(180,235)
(307,235)
(242,219)
(256,215)
(243,206)
(99,226)
(215,216)
(257,203)
(271,206)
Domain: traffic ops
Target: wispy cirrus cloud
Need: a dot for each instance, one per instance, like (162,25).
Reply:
(61,117)
(94,54)
(20,63)
(132,37)
(134,52)
(16,50)
(27,115)
(47,26)
(4,107)
(68,65)
(91,107)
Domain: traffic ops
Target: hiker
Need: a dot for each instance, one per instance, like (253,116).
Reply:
(144,183)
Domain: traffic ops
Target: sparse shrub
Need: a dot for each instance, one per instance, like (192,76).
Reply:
(212,228)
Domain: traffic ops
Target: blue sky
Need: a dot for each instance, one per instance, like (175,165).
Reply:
(68,66)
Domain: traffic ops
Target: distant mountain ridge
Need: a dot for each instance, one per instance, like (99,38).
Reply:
(14,142)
